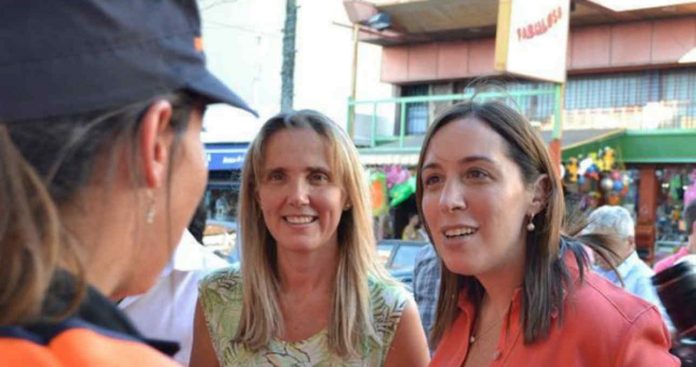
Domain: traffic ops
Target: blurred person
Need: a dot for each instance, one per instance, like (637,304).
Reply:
(426,283)
(198,222)
(412,231)
(310,290)
(100,126)
(690,248)
(514,289)
(626,270)
(676,287)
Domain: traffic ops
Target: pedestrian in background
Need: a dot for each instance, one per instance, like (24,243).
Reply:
(626,270)
(413,231)
(426,285)
(100,170)
(514,289)
(310,291)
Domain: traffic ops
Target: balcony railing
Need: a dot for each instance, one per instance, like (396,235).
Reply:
(399,124)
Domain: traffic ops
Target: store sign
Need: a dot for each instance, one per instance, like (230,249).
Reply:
(532,38)
(225,159)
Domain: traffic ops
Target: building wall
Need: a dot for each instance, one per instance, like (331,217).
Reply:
(324,61)
(243,43)
(624,46)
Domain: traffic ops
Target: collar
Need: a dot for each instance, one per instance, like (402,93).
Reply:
(95,312)
(623,268)
(628,263)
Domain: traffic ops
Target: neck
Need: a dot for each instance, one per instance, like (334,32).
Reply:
(500,287)
(307,272)
(104,234)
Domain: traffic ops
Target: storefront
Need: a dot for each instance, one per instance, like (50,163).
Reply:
(653,174)
(392,190)
(225,162)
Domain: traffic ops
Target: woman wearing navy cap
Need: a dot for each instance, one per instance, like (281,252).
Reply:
(99,174)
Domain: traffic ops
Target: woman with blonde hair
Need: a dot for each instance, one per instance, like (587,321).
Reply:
(515,290)
(309,291)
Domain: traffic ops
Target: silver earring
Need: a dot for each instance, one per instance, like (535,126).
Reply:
(530,225)
(347,207)
(151,210)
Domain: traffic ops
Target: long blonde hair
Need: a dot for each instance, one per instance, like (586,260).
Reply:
(351,316)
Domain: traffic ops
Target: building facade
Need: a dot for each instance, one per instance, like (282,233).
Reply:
(628,106)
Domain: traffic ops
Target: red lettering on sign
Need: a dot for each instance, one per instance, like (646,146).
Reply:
(541,26)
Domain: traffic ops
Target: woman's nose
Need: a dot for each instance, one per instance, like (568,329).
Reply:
(298,194)
(452,197)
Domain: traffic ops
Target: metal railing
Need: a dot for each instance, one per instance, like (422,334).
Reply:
(383,124)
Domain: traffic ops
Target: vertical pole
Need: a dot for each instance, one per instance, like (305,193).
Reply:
(353,83)
(556,136)
(373,133)
(402,124)
(648,189)
(287,72)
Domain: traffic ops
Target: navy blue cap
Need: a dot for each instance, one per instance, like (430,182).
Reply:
(61,57)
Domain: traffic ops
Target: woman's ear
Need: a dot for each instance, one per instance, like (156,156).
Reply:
(540,194)
(155,141)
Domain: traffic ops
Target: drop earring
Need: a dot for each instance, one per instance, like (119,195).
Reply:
(151,210)
(530,225)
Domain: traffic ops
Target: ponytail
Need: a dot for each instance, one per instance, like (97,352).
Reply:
(29,235)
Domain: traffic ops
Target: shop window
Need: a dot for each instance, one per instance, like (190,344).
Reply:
(606,91)
(416,112)
(222,195)
(676,185)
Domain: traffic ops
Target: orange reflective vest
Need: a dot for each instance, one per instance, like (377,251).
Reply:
(97,334)
(76,347)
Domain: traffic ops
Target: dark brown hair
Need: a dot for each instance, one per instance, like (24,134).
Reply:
(546,276)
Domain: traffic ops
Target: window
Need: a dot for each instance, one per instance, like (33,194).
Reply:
(416,112)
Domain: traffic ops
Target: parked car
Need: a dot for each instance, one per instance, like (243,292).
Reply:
(399,257)
(221,237)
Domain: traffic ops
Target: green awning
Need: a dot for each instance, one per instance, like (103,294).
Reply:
(641,146)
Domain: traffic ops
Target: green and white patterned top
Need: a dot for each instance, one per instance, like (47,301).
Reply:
(221,299)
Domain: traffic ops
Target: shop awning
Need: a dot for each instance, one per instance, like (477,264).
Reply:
(225,156)
(641,146)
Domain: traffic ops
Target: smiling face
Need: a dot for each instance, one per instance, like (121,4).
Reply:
(474,202)
(300,198)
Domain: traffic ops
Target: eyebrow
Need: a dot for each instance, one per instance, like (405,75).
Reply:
(306,169)
(468,159)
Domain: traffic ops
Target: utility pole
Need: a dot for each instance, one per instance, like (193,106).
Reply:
(288,69)
(353,82)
